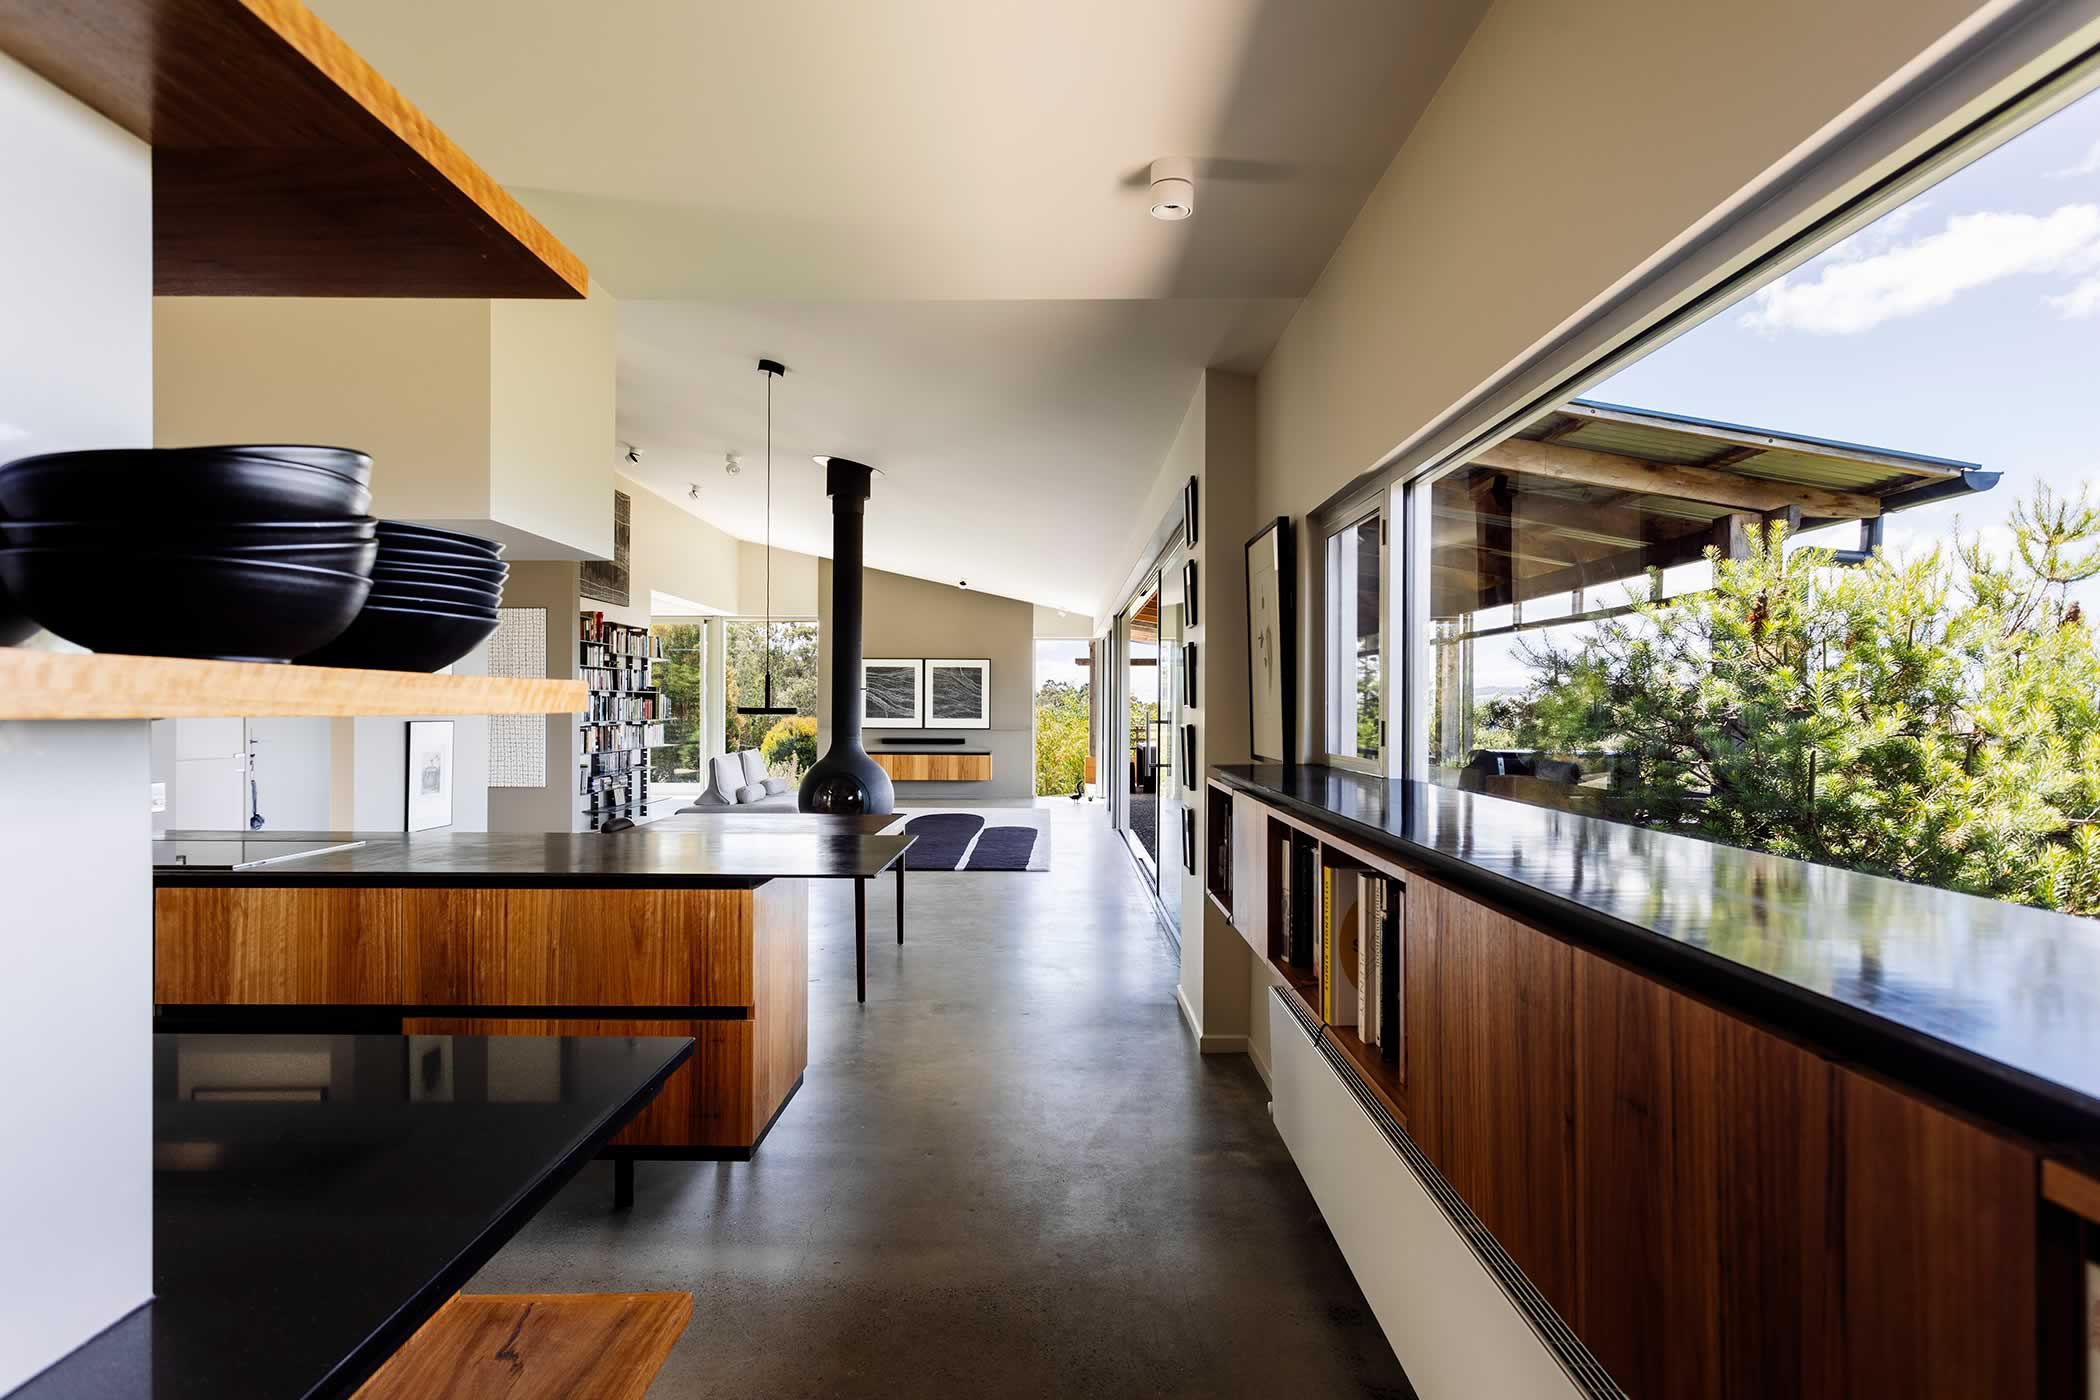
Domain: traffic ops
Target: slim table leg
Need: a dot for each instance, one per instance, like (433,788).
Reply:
(900,899)
(623,1182)
(860,937)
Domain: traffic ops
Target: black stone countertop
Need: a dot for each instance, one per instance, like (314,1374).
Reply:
(300,1237)
(1989,1006)
(691,857)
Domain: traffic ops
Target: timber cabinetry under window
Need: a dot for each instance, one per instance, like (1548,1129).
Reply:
(1709,1206)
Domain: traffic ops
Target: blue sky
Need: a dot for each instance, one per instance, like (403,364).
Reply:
(1965,324)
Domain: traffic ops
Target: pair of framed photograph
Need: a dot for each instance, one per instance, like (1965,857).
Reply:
(926,693)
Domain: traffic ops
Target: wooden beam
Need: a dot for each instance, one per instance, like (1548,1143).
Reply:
(1773,442)
(1589,468)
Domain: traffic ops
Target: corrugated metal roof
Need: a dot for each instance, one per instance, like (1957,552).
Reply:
(1678,440)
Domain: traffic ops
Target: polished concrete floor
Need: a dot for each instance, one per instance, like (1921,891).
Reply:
(1009,1174)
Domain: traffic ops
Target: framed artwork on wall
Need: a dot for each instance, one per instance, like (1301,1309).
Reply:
(1272,653)
(892,692)
(1188,594)
(1189,777)
(1188,513)
(1188,839)
(606,580)
(1188,676)
(958,693)
(429,774)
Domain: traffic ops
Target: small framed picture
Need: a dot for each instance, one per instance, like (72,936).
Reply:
(1188,513)
(1188,676)
(892,693)
(429,774)
(1189,777)
(958,693)
(1188,840)
(1188,594)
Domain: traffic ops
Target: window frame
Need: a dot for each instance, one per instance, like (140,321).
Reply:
(1336,684)
(1444,448)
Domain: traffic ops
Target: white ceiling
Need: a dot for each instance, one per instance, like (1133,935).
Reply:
(958,187)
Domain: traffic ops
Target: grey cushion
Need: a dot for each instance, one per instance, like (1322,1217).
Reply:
(756,792)
(728,775)
(776,786)
(754,766)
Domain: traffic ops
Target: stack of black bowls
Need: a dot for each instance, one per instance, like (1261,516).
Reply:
(232,553)
(434,599)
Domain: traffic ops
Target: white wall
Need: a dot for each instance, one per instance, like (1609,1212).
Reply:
(76,997)
(675,552)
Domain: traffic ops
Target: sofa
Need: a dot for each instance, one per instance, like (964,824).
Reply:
(739,780)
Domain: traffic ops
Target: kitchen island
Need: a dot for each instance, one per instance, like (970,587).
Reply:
(318,1198)
(699,933)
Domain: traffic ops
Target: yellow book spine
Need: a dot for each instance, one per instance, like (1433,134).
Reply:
(1327,944)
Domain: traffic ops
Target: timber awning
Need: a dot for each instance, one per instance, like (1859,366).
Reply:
(1595,493)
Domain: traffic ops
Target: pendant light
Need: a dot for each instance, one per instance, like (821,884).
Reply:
(772,370)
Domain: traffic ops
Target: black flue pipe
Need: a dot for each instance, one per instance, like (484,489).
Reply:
(845,779)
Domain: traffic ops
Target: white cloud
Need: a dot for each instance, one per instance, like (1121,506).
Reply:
(2089,166)
(2080,302)
(1848,294)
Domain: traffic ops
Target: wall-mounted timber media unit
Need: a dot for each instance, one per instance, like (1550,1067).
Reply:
(1707,1122)
(283,164)
(971,767)
(686,933)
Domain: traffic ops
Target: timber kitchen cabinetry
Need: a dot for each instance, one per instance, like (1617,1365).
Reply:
(1679,1196)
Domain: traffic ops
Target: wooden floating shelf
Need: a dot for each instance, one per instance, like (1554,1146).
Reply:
(935,767)
(283,163)
(74,685)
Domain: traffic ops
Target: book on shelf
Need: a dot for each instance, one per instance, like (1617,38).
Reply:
(1391,946)
(1340,939)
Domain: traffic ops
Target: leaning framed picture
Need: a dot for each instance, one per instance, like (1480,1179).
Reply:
(1188,594)
(1188,676)
(1188,514)
(429,774)
(958,693)
(1272,636)
(892,692)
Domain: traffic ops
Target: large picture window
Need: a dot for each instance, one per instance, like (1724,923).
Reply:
(1817,577)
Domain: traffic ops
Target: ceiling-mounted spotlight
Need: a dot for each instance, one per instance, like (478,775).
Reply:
(693,492)
(631,452)
(731,463)
(1173,187)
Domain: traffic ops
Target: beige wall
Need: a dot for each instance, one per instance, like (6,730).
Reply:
(795,588)
(552,434)
(671,551)
(549,584)
(489,416)
(404,380)
(912,617)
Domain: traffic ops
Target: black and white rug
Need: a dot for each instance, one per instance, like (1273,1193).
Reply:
(984,838)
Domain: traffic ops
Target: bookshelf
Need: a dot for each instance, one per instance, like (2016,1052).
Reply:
(1332,928)
(623,718)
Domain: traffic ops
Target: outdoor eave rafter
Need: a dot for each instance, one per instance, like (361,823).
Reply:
(1577,464)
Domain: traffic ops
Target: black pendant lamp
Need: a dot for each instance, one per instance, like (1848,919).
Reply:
(772,370)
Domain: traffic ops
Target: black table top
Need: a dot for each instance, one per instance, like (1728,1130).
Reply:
(1991,1006)
(692,857)
(317,1198)
(731,819)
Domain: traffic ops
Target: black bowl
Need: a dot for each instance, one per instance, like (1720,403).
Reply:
(140,547)
(228,608)
(412,638)
(15,625)
(460,592)
(431,537)
(394,593)
(494,570)
(189,483)
(408,576)
(190,537)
